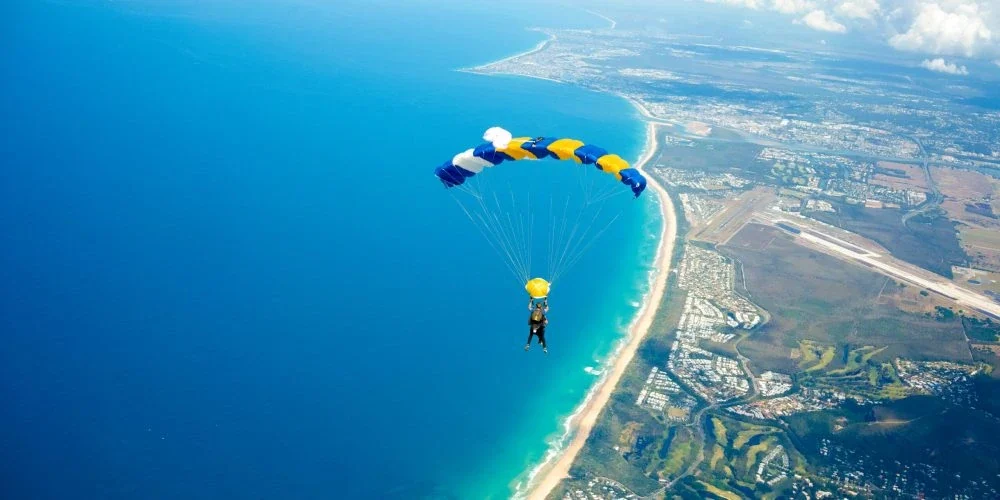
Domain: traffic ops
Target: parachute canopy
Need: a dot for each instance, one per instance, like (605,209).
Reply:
(537,288)
(503,147)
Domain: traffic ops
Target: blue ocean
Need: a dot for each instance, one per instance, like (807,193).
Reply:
(228,271)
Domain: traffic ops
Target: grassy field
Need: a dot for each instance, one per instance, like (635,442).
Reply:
(719,493)
(753,454)
(712,157)
(733,462)
(719,432)
(815,357)
(682,450)
(718,453)
(816,300)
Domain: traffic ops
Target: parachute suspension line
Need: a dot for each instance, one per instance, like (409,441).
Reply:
(507,262)
(498,228)
(607,195)
(497,243)
(513,235)
(573,240)
(551,239)
(593,240)
(531,229)
(576,244)
(569,242)
(556,237)
(492,227)
(472,187)
(510,234)
(523,228)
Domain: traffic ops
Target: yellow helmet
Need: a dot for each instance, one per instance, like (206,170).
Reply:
(537,288)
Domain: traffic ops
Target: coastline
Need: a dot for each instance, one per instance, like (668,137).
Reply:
(547,476)
(540,46)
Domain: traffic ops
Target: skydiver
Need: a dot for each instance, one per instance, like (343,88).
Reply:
(536,325)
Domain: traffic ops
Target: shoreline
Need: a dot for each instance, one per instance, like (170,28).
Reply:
(540,46)
(555,467)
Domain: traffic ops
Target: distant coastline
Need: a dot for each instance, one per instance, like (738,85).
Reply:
(537,48)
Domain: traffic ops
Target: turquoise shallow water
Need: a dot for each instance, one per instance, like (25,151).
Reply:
(229,272)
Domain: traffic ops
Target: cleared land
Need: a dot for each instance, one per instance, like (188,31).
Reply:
(900,176)
(816,298)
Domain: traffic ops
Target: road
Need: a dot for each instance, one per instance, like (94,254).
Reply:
(935,198)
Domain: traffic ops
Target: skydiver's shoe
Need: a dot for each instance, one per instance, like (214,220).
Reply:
(545,350)
(527,346)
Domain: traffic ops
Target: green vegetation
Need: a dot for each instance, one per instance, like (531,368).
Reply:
(719,493)
(820,306)
(792,174)
(982,330)
(713,157)
(718,453)
(682,450)
(752,454)
(953,439)
(719,431)
(856,359)
(733,464)
(824,359)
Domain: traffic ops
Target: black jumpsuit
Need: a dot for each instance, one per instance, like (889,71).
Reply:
(540,332)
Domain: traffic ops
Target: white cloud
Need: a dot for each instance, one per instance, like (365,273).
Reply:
(948,27)
(751,4)
(793,6)
(859,9)
(818,20)
(941,66)
(997,62)
(964,28)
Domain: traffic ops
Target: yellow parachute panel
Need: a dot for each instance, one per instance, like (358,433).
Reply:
(613,164)
(514,149)
(564,149)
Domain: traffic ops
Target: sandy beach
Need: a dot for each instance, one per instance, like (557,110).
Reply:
(556,468)
(537,48)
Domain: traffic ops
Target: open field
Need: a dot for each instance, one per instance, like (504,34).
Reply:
(710,157)
(901,176)
(816,298)
(910,298)
(970,200)
(982,246)
(963,184)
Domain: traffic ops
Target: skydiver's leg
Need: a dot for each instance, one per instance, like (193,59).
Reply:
(531,333)
(541,339)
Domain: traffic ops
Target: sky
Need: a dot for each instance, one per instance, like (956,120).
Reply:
(956,37)
(941,30)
